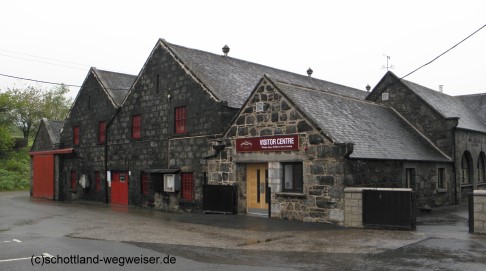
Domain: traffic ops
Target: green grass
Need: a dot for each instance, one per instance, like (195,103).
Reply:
(15,170)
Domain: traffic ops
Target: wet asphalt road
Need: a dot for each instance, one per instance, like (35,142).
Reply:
(218,242)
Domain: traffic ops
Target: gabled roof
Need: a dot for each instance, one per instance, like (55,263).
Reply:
(115,84)
(447,106)
(476,103)
(378,132)
(232,80)
(53,128)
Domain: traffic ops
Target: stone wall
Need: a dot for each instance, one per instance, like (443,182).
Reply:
(480,211)
(160,147)
(322,197)
(428,121)
(42,140)
(475,144)
(92,105)
(353,204)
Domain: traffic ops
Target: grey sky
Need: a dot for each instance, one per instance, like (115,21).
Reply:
(342,41)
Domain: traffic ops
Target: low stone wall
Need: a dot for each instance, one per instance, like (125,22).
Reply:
(353,204)
(479,211)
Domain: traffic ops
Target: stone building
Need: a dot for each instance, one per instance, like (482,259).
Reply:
(181,101)
(307,144)
(46,156)
(454,124)
(192,118)
(85,131)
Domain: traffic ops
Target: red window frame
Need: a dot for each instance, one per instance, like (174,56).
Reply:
(180,120)
(101,132)
(145,184)
(76,135)
(187,185)
(97,181)
(74,182)
(136,126)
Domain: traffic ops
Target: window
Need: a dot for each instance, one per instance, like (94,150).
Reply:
(410,177)
(136,127)
(101,132)
(76,135)
(145,184)
(441,178)
(187,186)
(385,96)
(481,167)
(180,120)
(73,181)
(293,177)
(466,169)
(97,181)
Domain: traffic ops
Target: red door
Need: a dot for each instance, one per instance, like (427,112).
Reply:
(119,188)
(43,177)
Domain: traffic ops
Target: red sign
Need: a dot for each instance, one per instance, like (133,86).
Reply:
(270,143)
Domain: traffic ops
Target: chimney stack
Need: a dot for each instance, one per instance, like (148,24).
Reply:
(309,72)
(226,50)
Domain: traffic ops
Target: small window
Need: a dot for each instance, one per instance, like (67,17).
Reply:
(259,107)
(158,83)
(136,127)
(145,184)
(76,135)
(97,181)
(410,177)
(180,120)
(187,186)
(466,168)
(293,177)
(73,181)
(441,178)
(385,96)
(481,168)
(101,132)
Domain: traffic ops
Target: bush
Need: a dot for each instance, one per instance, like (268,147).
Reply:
(15,171)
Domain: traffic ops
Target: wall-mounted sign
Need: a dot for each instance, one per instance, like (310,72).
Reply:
(270,143)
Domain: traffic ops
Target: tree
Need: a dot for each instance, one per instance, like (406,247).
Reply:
(25,107)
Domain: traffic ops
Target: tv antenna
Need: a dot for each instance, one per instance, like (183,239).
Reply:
(388,65)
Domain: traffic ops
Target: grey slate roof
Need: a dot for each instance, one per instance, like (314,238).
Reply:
(232,80)
(54,129)
(378,132)
(445,105)
(476,103)
(116,84)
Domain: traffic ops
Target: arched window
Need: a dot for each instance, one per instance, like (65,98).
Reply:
(481,168)
(466,168)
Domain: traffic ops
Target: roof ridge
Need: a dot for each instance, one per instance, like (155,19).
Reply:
(327,92)
(262,65)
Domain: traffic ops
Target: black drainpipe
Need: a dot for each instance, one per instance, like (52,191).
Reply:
(106,153)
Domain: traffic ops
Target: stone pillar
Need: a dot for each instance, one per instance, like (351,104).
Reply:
(275,176)
(479,211)
(353,207)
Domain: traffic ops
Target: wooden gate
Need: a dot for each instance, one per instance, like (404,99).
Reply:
(389,209)
(43,177)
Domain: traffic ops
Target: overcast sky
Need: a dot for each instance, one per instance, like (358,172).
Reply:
(344,42)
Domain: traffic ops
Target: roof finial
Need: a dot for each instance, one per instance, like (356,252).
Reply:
(226,50)
(309,72)
(368,87)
